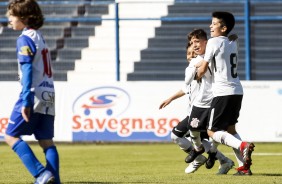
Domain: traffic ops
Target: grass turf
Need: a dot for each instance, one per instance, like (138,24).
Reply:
(141,163)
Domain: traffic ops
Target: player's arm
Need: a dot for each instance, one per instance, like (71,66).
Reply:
(177,95)
(202,67)
(26,52)
(190,73)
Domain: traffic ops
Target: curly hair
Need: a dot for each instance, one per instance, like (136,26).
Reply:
(28,11)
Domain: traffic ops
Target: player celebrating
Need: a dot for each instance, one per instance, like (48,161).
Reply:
(198,120)
(227,90)
(180,132)
(34,111)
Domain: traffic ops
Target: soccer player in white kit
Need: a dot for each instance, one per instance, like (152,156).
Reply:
(180,132)
(34,111)
(198,120)
(227,90)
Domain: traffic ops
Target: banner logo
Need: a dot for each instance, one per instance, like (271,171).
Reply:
(102,101)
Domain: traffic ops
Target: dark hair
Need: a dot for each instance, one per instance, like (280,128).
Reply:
(197,33)
(28,11)
(188,44)
(227,19)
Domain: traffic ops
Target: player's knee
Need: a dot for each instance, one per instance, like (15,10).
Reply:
(174,137)
(7,138)
(210,133)
(44,144)
(10,140)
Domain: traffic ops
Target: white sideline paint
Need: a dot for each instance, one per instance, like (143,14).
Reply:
(99,59)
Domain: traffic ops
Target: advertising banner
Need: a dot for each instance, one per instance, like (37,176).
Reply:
(122,111)
(129,111)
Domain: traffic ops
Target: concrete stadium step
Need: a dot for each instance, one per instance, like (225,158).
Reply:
(8,32)
(75,42)
(155,76)
(63,65)
(8,53)
(196,9)
(60,75)
(68,54)
(266,8)
(173,53)
(266,75)
(9,65)
(82,31)
(161,66)
(260,52)
(9,75)
(162,76)
(66,10)
(96,9)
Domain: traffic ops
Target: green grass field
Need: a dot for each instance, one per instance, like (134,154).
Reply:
(141,163)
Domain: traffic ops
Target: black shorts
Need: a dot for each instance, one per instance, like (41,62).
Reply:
(224,112)
(181,129)
(198,120)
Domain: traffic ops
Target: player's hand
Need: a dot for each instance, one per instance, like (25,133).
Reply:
(164,104)
(198,65)
(233,37)
(26,113)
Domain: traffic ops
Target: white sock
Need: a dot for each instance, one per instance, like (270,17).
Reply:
(214,146)
(182,142)
(222,158)
(227,139)
(207,145)
(196,139)
(238,153)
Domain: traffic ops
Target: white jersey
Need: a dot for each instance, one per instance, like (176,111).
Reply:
(204,96)
(222,54)
(191,90)
(32,49)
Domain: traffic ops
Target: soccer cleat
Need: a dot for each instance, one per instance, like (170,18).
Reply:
(196,164)
(211,160)
(193,154)
(241,171)
(45,177)
(225,167)
(246,151)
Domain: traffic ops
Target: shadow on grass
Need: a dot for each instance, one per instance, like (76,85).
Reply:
(87,182)
(269,174)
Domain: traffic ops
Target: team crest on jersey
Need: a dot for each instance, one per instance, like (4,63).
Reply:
(195,122)
(25,51)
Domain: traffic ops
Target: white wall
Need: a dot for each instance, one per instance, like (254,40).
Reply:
(99,59)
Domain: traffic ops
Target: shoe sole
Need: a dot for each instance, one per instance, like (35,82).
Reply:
(196,168)
(240,173)
(51,180)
